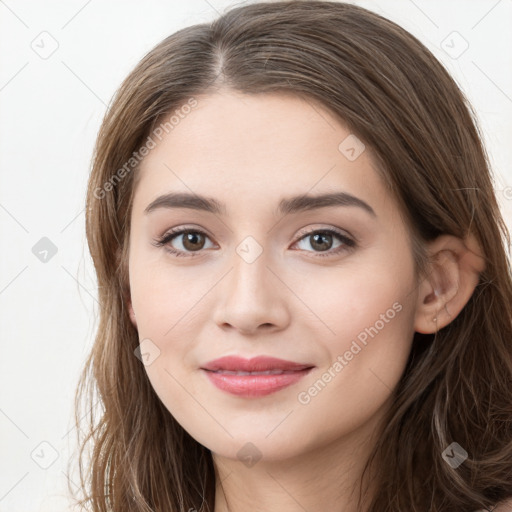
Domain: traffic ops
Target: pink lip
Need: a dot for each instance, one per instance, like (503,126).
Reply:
(222,373)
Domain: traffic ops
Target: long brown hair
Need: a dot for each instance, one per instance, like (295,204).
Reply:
(400,101)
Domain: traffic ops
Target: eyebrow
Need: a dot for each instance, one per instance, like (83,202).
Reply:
(286,206)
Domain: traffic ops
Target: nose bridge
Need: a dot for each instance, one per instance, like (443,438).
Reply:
(250,263)
(251,295)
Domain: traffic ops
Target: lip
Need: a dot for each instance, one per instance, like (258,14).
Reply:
(254,377)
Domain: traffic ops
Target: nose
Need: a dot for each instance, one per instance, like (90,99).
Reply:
(252,297)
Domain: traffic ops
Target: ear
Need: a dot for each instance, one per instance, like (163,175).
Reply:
(455,267)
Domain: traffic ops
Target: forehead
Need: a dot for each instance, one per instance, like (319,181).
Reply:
(251,150)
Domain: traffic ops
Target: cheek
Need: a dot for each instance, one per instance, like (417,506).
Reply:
(365,360)
(171,304)
(354,299)
(164,296)
(368,318)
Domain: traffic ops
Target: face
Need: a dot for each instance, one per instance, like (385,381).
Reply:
(328,287)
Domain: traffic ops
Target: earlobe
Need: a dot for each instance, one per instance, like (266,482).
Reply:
(455,268)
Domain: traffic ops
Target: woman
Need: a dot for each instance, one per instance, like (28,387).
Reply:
(303,281)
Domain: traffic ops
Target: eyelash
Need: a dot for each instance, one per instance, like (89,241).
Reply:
(348,243)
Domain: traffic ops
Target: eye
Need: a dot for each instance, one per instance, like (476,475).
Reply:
(322,240)
(192,241)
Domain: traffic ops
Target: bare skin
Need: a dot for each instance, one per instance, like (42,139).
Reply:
(294,301)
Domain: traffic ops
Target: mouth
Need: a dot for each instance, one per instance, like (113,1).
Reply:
(254,377)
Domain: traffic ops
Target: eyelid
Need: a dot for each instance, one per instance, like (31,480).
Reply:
(338,231)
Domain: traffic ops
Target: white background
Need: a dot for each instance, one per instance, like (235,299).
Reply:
(51,110)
